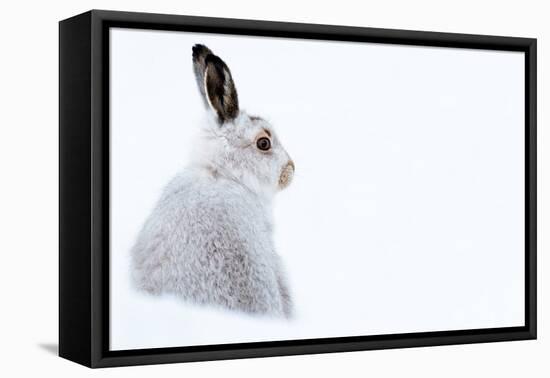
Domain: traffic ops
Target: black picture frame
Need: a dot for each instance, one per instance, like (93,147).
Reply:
(84,188)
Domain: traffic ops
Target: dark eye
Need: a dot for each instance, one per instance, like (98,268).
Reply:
(263,144)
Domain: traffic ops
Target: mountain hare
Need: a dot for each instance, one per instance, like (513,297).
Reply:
(209,239)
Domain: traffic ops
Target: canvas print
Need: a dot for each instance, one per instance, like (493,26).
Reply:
(269,189)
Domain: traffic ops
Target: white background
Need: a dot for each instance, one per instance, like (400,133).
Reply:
(28,152)
(406,213)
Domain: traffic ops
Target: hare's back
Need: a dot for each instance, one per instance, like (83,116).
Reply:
(209,242)
(222,250)
(213,212)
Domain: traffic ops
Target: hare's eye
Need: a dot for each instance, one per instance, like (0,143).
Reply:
(263,144)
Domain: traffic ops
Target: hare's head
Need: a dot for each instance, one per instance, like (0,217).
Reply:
(234,144)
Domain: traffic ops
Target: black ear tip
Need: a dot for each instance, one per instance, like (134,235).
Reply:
(200,50)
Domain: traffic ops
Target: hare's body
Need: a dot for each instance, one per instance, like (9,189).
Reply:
(209,241)
(209,238)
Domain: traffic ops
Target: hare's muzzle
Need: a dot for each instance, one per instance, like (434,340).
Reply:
(286,175)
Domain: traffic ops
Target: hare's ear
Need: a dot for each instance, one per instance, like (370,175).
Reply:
(215,83)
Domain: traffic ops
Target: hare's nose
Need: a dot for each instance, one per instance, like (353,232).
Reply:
(291,165)
(286,174)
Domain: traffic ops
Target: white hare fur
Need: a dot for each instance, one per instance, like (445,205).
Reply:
(209,239)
